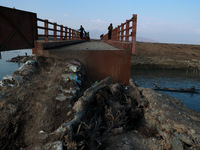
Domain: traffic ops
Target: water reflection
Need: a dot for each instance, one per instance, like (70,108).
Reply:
(8,67)
(170,79)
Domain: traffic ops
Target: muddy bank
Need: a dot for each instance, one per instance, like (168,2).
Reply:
(44,112)
(21,59)
(168,56)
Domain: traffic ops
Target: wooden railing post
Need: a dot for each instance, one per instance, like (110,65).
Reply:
(55,31)
(72,34)
(127,31)
(75,35)
(66,33)
(115,34)
(118,33)
(46,30)
(122,32)
(134,28)
(61,32)
(69,33)
(78,35)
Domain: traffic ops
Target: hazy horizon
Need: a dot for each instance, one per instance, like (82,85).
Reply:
(162,21)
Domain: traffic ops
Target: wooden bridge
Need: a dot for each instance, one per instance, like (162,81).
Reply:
(21,29)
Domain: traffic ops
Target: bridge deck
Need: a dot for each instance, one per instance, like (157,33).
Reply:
(92,45)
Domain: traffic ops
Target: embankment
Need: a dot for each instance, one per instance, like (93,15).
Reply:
(168,56)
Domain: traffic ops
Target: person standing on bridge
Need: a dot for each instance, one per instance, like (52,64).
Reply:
(81,32)
(110,28)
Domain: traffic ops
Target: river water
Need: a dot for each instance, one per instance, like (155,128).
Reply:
(143,77)
(8,67)
(170,79)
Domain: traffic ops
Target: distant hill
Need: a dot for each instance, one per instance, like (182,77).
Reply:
(147,40)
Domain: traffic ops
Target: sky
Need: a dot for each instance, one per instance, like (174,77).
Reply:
(169,21)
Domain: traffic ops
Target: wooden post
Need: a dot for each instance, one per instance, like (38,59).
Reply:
(72,34)
(55,31)
(66,33)
(118,33)
(127,30)
(134,28)
(112,35)
(79,36)
(122,32)
(46,30)
(61,33)
(69,33)
(115,34)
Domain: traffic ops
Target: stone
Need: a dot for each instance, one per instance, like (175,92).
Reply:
(185,139)
(54,146)
(61,97)
(176,144)
(57,145)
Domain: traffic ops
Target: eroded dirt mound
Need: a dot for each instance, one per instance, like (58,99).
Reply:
(31,107)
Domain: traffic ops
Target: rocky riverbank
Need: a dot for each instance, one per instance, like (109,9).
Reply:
(57,107)
(168,56)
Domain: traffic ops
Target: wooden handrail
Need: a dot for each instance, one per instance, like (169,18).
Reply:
(118,32)
(65,32)
(126,32)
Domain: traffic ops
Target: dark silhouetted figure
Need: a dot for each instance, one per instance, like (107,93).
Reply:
(101,36)
(81,32)
(110,28)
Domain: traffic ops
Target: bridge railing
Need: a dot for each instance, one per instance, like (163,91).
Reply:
(49,31)
(126,32)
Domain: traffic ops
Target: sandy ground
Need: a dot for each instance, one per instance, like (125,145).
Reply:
(172,56)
